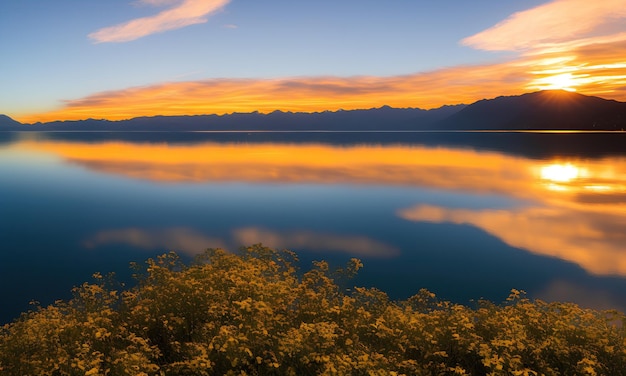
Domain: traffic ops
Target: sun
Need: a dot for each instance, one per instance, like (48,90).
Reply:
(563,81)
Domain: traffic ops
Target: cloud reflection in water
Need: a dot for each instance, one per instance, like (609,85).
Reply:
(193,242)
(575,208)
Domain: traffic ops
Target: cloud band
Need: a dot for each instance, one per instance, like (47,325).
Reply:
(189,12)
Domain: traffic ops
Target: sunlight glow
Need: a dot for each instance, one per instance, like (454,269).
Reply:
(557,187)
(598,188)
(563,81)
(560,173)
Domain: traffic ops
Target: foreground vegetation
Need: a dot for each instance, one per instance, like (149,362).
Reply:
(253,314)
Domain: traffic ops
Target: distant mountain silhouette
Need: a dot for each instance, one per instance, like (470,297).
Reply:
(543,110)
(383,118)
(7,122)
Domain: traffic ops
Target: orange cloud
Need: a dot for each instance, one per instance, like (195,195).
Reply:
(593,69)
(559,21)
(189,12)
(566,44)
(303,94)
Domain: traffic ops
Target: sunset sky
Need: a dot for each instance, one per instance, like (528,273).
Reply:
(117,59)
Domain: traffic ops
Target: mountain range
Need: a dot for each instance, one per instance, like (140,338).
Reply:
(543,110)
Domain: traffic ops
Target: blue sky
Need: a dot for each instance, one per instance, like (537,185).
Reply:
(53,57)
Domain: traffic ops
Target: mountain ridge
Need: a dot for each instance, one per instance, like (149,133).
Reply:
(542,110)
(6,121)
(343,120)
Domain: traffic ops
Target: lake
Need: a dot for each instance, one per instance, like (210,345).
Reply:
(465,215)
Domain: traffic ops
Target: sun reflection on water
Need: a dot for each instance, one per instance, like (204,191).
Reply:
(561,173)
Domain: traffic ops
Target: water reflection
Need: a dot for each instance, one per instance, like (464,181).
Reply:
(586,296)
(594,240)
(191,242)
(355,245)
(577,213)
(423,215)
(441,168)
(561,173)
(416,166)
(181,239)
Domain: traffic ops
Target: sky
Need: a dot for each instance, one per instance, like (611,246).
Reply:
(118,59)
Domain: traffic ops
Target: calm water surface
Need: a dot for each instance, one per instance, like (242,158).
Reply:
(464,215)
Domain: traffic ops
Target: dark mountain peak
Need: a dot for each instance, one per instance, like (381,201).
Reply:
(533,97)
(563,98)
(555,93)
(275,112)
(541,110)
(6,121)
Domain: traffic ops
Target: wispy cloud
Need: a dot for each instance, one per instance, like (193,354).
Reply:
(559,21)
(187,12)
(157,3)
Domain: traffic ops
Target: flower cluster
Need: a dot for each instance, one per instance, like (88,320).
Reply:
(254,313)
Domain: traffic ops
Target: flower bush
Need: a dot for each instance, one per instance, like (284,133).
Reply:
(254,313)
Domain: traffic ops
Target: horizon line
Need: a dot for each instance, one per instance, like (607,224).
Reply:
(268,112)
